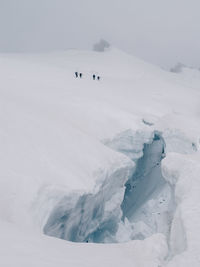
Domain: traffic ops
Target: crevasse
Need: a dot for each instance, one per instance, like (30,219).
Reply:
(143,202)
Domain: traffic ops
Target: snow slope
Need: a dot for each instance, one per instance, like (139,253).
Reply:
(68,148)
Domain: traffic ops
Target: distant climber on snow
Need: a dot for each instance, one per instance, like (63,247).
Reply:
(80,75)
(98,78)
(94,76)
(76,74)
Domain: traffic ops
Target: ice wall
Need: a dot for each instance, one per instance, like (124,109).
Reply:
(148,199)
(147,178)
(130,204)
(92,217)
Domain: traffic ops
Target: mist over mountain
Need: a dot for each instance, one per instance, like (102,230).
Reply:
(99,133)
(161,32)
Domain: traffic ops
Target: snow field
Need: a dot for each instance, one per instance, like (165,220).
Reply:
(62,139)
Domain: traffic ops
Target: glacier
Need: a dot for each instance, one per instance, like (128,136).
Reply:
(98,174)
(146,205)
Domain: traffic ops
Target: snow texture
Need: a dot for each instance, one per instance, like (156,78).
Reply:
(110,161)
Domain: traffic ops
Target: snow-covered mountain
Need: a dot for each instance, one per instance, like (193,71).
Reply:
(114,161)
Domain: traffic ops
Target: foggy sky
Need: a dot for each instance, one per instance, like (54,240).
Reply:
(159,31)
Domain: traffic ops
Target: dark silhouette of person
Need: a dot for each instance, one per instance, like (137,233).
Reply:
(80,75)
(76,74)
(94,76)
(98,78)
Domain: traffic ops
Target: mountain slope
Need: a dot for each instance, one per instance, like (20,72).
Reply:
(65,139)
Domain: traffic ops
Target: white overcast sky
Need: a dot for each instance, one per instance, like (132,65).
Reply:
(159,31)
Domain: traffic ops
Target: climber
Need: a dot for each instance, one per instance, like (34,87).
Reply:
(94,76)
(76,74)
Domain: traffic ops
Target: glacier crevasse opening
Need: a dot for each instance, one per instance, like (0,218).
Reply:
(143,208)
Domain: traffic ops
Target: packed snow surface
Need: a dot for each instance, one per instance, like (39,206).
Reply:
(114,161)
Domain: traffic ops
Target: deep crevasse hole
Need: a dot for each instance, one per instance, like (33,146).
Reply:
(148,202)
(144,208)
